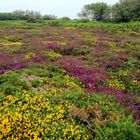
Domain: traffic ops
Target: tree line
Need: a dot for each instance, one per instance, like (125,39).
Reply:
(123,11)
(25,15)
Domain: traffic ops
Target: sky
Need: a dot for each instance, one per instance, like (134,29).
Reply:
(59,8)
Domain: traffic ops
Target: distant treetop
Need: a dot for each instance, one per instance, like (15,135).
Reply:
(123,11)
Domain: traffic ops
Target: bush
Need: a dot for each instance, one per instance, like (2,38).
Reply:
(54,23)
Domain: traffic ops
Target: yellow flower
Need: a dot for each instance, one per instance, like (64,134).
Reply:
(29,56)
(12,44)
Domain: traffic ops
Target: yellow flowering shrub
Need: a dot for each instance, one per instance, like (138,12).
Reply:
(35,117)
(116,84)
(64,42)
(57,82)
(71,84)
(11,41)
(51,54)
(29,56)
(40,112)
(12,44)
(110,44)
(70,28)
(48,104)
(8,100)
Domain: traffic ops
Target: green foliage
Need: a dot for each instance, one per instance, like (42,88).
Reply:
(130,63)
(83,51)
(49,17)
(123,79)
(126,10)
(86,24)
(51,54)
(65,18)
(123,11)
(98,11)
(55,101)
(42,102)
(21,15)
(122,130)
(35,83)
(134,86)
(10,84)
(13,38)
(54,23)
(34,32)
(6,16)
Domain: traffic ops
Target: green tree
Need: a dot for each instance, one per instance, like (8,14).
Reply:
(126,10)
(32,15)
(49,17)
(19,14)
(6,16)
(87,12)
(98,11)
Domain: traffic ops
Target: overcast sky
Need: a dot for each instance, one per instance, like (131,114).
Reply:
(60,8)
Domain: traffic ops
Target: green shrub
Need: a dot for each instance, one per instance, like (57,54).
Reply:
(54,23)
(14,38)
(125,129)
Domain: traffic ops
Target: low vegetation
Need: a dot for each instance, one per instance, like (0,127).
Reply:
(62,79)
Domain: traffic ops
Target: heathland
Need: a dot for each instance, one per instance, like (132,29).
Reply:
(69,79)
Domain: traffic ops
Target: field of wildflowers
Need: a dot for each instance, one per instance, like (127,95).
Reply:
(69,82)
